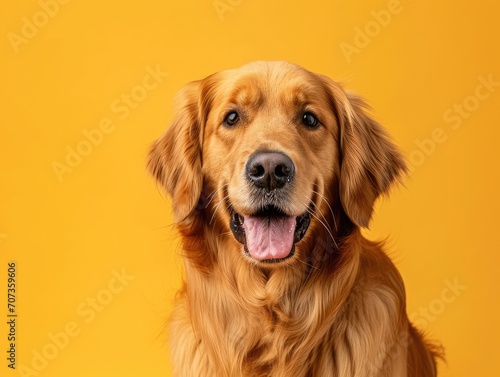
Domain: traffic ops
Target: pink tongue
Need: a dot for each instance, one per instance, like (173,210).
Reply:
(269,238)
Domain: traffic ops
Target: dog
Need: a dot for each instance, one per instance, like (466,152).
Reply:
(273,170)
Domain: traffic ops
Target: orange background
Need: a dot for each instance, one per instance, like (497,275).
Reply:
(67,69)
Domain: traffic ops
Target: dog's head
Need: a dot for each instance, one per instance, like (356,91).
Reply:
(274,153)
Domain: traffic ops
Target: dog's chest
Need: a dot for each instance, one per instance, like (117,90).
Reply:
(270,342)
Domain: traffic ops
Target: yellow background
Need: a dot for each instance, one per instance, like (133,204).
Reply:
(68,236)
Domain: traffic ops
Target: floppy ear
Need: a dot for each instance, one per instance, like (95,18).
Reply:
(370,162)
(175,158)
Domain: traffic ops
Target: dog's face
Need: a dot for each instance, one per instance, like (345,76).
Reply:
(269,147)
(274,153)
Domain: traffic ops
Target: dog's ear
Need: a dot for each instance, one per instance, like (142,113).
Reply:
(175,158)
(370,162)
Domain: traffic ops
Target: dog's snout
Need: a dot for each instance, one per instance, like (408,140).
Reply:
(270,170)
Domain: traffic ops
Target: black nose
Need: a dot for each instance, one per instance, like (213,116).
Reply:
(270,170)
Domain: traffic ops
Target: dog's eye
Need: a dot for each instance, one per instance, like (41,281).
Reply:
(310,120)
(232,118)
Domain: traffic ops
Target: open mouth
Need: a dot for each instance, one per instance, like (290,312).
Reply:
(269,235)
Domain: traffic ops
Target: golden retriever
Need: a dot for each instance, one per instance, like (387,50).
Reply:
(272,171)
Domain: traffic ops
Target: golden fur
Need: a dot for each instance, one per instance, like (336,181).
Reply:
(337,306)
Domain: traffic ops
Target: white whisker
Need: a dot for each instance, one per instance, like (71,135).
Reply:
(322,216)
(212,195)
(329,207)
(217,207)
(324,225)
(307,264)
